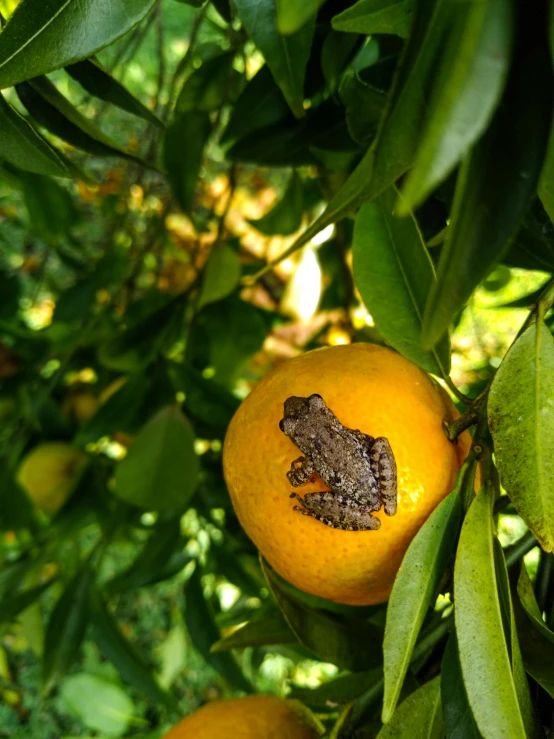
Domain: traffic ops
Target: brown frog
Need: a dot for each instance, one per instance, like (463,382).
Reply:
(359,470)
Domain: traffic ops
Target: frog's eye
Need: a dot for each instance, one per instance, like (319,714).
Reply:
(282,425)
(316,400)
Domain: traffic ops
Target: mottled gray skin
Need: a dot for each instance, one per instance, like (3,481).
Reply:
(360,470)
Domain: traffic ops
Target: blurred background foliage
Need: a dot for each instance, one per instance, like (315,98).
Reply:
(120,303)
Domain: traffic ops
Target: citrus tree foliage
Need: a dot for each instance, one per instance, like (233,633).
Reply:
(420,129)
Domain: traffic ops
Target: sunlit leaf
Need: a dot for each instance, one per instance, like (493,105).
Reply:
(161,468)
(521,419)
(286,56)
(467,89)
(43,36)
(394,274)
(340,690)
(100,704)
(292,15)
(484,655)
(21,145)
(420,715)
(491,195)
(413,593)
(349,643)
(263,631)
(221,274)
(377,16)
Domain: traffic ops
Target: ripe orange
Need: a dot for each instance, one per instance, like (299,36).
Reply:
(252,717)
(369,388)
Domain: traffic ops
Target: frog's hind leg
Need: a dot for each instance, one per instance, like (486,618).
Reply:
(337,511)
(382,460)
(301,471)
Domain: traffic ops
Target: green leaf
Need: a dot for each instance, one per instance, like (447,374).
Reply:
(123,655)
(349,643)
(469,83)
(161,557)
(259,105)
(414,590)
(377,16)
(204,633)
(49,205)
(458,719)
(286,216)
(342,689)
(394,274)
(204,399)
(491,195)
(529,603)
(160,471)
(54,111)
(483,650)
(12,605)
(208,87)
(22,146)
(546,183)
(183,149)
(364,107)
(221,274)
(66,629)
(521,419)
(292,15)
(286,56)
(92,76)
(42,36)
(264,631)
(99,703)
(419,716)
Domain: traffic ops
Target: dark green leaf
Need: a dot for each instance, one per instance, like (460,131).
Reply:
(160,470)
(12,605)
(183,150)
(204,399)
(117,413)
(529,603)
(470,80)
(286,216)
(99,703)
(66,629)
(264,631)
(286,56)
(16,510)
(546,183)
(10,293)
(419,716)
(458,719)
(414,590)
(338,49)
(208,87)
(348,643)
(161,557)
(49,205)
(221,274)
(53,111)
(204,633)
(483,650)
(491,193)
(92,76)
(364,107)
(43,36)
(122,653)
(521,419)
(394,274)
(260,105)
(21,145)
(292,15)
(340,690)
(377,16)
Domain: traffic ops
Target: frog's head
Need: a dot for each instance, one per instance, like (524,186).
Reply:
(298,409)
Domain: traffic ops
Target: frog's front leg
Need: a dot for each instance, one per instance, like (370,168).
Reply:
(337,511)
(301,471)
(384,466)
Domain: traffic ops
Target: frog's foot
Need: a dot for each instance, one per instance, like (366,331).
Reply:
(384,464)
(301,471)
(337,511)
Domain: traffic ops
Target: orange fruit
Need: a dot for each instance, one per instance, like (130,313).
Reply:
(369,388)
(252,717)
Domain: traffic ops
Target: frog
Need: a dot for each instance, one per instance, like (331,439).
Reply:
(360,470)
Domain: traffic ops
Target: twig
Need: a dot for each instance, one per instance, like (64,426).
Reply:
(519,549)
